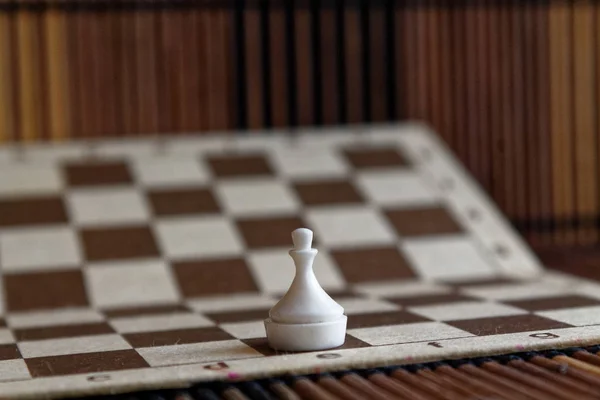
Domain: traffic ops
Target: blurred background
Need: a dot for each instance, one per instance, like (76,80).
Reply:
(511,86)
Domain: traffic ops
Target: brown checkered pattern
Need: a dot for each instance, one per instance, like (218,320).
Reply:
(124,274)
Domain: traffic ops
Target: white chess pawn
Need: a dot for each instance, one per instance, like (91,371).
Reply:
(306,318)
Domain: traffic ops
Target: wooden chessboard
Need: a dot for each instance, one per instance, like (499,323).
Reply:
(139,264)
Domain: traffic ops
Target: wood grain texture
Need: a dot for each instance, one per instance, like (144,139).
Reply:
(7,111)
(512,87)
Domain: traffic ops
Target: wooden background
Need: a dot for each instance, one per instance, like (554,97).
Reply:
(512,86)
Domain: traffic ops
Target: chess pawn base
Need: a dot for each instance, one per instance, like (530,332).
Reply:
(306,337)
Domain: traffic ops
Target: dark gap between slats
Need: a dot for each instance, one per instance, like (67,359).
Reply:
(290,55)
(340,34)
(391,69)
(365,40)
(317,74)
(266,55)
(240,69)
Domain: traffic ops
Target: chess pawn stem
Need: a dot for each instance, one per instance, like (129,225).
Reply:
(306,318)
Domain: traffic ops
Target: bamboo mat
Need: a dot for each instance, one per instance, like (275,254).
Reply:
(567,374)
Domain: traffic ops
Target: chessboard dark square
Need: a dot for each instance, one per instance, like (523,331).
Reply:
(372,319)
(554,303)
(240,165)
(97,173)
(327,192)
(183,201)
(373,264)
(497,280)
(145,310)
(102,244)
(175,337)
(32,211)
(210,277)
(262,345)
(9,352)
(426,300)
(62,331)
(423,222)
(85,363)
(508,324)
(375,157)
(45,290)
(269,232)
(225,317)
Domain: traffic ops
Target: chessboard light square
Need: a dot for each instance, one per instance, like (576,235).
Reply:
(256,197)
(245,330)
(40,248)
(13,370)
(6,336)
(156,323)
(198,237)
(274,271)
(231,302)
(54,317)
(222,350)
(170,172)
(111,206)
(403,288)
(29,180)
(580,316)
(465,310)
(447,258)
(361,306)
(349,226)
(130,283)
(78,345)
(398,188)
(407,333)
(295,163)
(518,291)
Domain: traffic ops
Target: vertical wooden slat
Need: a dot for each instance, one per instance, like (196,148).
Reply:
(149,115)
(220,69)
(29,82)
(459,81)
(377,59)
(496,140)
(127,71)
(530,133)
(86,75)
(543,111)
(472,92)
(304,73)
(561,115)
(353,46)
(57,78)
(278,66)
(518,106)
(484,101)
(433,48)
(506,101)
(403,60)
(253,66)
(421,60)
(585,126)
(189,79)
(8,109)
(107,99)
(202,18)
(446,72)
